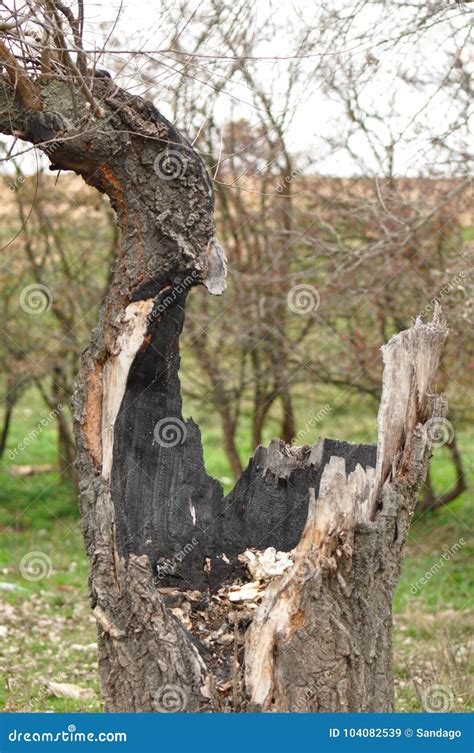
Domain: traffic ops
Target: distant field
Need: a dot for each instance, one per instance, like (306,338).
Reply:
(47,630)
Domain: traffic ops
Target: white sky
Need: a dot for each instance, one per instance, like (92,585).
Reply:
(396,108)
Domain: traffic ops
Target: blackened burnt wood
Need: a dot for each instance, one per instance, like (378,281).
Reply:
(163,497)
(318,636)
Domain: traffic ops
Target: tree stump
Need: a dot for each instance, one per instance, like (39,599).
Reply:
(277,597)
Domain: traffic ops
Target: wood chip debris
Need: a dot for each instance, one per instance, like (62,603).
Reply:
(266,564)
(219,620)
(68,690)
(247,592)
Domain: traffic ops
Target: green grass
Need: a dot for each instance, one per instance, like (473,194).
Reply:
(48,628)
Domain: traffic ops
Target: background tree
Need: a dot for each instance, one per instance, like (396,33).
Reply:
(128,391)
(56,268)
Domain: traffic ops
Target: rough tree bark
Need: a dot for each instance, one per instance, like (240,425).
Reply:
(309,620)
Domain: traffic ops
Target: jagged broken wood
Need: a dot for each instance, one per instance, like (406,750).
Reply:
(182,623)
(321,639)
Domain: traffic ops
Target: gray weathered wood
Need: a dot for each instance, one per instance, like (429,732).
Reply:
(321,640)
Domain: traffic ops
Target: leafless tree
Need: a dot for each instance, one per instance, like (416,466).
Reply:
(341,510)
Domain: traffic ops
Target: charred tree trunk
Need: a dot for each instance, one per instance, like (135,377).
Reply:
(220,400)
(278,596)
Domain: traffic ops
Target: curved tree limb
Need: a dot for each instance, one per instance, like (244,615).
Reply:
(338,513)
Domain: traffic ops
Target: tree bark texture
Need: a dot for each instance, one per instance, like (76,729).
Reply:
(168,553)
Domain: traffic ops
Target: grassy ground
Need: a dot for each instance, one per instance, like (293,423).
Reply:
(47,633)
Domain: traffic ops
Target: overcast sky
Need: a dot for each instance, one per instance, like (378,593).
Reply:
(397,107)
